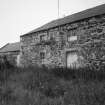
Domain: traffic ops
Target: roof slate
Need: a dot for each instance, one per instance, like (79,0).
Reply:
(98,10)
(10,47)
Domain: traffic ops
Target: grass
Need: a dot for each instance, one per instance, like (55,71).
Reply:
(58,86)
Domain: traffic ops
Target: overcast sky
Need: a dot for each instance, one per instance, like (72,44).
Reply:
(18,17)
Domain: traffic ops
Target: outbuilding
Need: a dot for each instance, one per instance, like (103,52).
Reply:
(11,52)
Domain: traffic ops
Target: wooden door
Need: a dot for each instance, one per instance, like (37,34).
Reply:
(72,59)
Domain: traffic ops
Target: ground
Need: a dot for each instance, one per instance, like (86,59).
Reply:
(39,86)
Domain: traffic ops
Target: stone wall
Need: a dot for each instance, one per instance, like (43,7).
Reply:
(90,43)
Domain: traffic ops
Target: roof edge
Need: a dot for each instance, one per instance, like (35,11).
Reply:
(31,32)
(4,46)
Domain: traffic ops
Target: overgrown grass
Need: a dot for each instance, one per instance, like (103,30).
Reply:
(57,86)
(81,73)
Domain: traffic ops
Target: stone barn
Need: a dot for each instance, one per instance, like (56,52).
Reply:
(12,52)
(73,41)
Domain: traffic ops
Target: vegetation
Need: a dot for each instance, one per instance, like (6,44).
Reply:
(58,86)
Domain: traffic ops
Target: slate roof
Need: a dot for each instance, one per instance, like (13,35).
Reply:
(98,10)
(10,47)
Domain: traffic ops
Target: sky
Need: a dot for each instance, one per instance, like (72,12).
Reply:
(18,17)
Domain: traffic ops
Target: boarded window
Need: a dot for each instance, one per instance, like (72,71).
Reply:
(72,38)
(72,59)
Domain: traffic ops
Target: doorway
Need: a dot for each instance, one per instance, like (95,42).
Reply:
(72,59)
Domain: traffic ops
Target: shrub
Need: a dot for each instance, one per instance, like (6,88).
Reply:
(4,63)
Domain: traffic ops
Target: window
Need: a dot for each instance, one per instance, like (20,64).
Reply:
(42,37)
(42,55)
(72,38)
(51,37)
